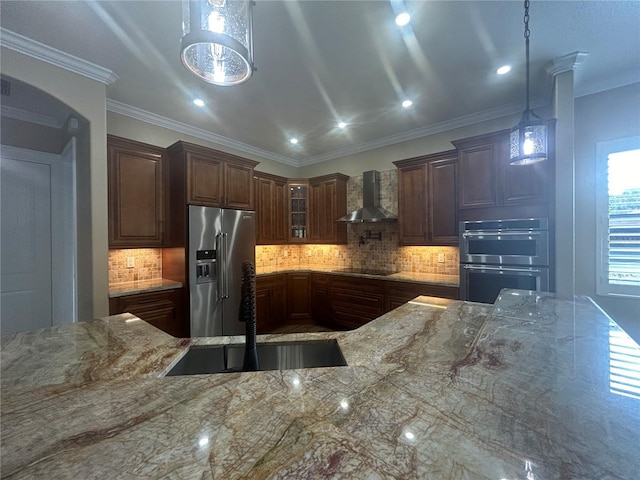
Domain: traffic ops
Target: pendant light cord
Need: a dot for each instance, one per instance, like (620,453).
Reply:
(527,33)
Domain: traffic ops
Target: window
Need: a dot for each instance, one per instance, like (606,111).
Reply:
(618,210)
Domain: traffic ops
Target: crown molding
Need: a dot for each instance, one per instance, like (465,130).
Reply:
(160,121)
(459,122)
(40,51)
(607,84)
(435,128)
(30,117)
(566,63)
(27,155)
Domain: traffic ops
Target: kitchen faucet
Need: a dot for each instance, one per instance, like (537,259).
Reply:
(248,315)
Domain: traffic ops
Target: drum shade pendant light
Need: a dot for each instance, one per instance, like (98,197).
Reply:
(217,42)
(528,140)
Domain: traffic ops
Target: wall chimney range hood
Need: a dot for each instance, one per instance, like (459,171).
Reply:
(371,210)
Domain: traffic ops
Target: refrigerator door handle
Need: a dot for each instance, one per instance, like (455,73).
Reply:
(220,263)
(224,281)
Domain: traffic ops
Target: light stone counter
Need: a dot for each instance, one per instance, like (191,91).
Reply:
(459,391)
(414,277)
(142,286)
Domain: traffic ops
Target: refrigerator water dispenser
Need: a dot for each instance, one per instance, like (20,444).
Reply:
(205,266)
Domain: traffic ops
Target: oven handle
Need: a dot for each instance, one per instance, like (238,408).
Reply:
(503,269)
(493,234)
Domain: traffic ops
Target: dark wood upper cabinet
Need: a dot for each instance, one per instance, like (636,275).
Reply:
(271,208)
(443,204)
(203,176)
(427,199)
(491,188)
(479,174)
(412,205)
(327,203)
(135,184)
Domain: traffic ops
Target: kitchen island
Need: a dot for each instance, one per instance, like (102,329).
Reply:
(435,389)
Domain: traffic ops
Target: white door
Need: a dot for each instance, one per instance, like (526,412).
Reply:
(37,284)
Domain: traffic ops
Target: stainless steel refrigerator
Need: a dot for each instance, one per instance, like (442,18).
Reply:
(220,241)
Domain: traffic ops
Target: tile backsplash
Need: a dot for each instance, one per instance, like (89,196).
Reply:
(360,252)
(147,264)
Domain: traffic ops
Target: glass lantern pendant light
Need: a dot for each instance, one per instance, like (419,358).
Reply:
(217,44)
(528,140)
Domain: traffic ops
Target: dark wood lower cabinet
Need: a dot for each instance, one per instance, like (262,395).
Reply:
(341,302)
(298,298)
(397,294)
(320,306)
(270,302)
(160,309)
(355,301)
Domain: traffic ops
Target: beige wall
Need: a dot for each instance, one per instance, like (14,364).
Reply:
(600,117)
(88,98)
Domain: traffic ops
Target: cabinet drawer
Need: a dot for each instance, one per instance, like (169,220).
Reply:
(357,303)
(349,319)
(355,284)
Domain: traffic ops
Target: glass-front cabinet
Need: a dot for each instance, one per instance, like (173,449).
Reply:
(298,211)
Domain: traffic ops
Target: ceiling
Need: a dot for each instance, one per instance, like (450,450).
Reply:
(319,62)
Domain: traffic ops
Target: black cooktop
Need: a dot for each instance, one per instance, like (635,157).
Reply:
(366,271)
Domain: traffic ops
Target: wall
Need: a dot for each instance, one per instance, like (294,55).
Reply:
(600,117)
(88,98)
(147,264)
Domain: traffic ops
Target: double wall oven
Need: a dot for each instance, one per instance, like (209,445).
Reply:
(497,254)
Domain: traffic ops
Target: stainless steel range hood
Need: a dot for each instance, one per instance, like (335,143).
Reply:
(371,210)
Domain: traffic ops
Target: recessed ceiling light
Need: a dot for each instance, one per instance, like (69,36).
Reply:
(198,102)
(342,125)
(403,19)
(504,69)
(407,103)
(294,141)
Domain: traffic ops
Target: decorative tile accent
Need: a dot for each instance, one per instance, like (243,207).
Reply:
(147,261)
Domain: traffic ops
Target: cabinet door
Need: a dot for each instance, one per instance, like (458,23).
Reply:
(298,212)
(443,205)
(279,211)
(271,207)
(328,202)
(523,184)
(238,186)
(264,189)
(478,176)
(204,180)
(136,211)
(412,213)
(316,214)
(270,303)
(298,297)
(320,300)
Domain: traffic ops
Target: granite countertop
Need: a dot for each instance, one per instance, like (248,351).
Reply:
(142,286)
(438,390)
(433,278)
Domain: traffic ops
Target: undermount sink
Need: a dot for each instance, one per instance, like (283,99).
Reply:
(207,359)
